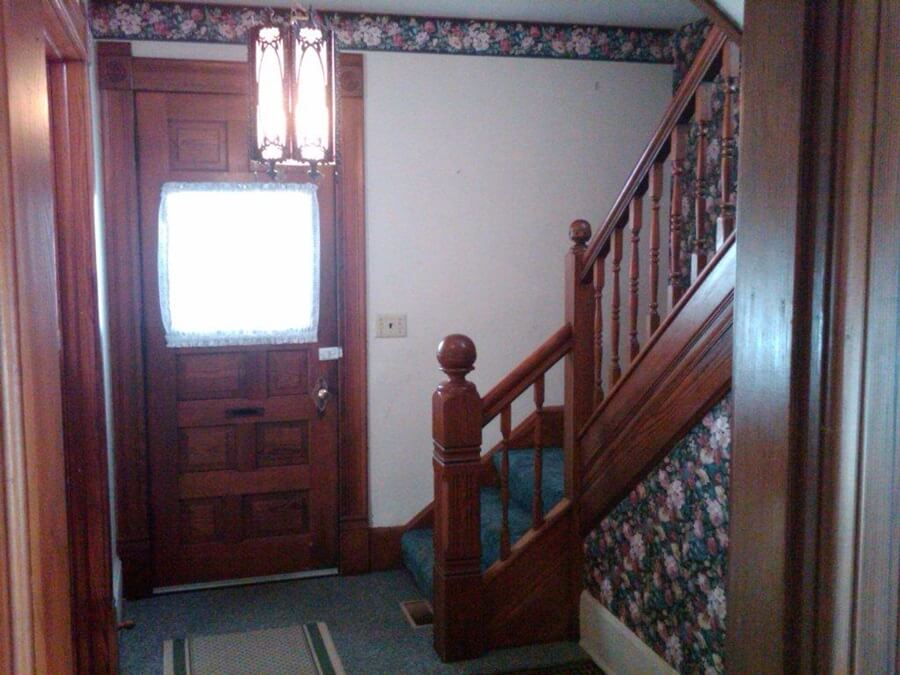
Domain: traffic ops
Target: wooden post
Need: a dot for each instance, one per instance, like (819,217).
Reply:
(459,631)
(615,367)
(703,114)
(635,220)
(676,212)
(656,189)
(579,372)
(730,73)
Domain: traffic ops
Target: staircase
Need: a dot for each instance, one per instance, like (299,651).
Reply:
(499,550)
(416,545)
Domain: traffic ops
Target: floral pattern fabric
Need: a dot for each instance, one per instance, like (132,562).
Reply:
(658,561)
(132,20)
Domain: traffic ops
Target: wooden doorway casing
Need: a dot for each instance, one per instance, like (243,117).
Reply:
(121,78)
(56,611)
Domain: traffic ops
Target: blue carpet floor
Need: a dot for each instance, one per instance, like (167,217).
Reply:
(363,615)
(418,551)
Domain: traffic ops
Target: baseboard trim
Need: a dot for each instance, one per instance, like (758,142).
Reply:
(612,645)
(384,548)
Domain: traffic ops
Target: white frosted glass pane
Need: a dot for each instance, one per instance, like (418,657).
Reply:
(238,263)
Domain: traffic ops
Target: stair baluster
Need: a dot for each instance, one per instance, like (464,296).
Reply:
(676,212)
(615,371)
(505,426)
(635,219)
(656,187)
(537,513)
(730,71)
(599,280)
(702,114)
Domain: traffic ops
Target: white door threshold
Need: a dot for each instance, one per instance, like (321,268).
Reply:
(246,581)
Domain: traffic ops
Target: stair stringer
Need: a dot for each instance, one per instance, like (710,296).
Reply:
(528,596)
(664,393)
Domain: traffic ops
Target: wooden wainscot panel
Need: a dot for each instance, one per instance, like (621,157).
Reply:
(528,595)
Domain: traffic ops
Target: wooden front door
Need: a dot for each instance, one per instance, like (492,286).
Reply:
(243,466)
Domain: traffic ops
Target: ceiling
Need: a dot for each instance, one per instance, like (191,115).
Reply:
(641,13)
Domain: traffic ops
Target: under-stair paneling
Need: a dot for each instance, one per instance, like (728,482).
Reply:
(528,595)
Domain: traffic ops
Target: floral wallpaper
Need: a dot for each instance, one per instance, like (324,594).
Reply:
(133,20)
(658,561)
(685,43)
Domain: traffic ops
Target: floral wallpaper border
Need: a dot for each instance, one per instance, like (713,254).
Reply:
(192,22)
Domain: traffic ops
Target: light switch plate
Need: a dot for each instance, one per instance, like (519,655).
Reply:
(390,326)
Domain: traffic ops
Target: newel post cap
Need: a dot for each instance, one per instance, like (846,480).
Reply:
(456,354)
(580,232)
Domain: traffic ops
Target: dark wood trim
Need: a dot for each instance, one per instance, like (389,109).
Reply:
(685,372)
(84,414)
(800,323)
(384,543)
(37,616)
(876,633)
(354,449)
(724,22)
(65,29)
(120,77)
(123,281)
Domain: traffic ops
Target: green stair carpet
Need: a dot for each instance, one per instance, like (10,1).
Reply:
(417,545)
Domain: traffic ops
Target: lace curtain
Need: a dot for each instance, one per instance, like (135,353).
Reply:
(239,263)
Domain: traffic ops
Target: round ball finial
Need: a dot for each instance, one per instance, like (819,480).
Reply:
(456,354)
(580,232)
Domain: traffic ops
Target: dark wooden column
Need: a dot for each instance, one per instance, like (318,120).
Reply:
(579,365)
(459,630)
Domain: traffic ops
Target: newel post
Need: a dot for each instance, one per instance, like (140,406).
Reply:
(579,366)
(459,630)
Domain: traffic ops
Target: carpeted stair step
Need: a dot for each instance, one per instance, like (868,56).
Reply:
(521,477)
(417,545)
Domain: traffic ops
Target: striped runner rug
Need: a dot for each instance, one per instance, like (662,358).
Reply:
(295,650)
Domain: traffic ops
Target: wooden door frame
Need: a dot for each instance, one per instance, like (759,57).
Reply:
(55,605)
(815,519)
(121,76)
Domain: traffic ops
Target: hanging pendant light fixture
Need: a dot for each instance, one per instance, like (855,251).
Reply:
(292,94)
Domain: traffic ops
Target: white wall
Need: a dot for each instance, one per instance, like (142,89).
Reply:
(475,166)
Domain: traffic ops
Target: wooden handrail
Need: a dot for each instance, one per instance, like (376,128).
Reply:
(526,373)
(638,178)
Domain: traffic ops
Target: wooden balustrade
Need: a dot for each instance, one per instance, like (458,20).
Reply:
(730,72)
(656,188)
(635,218)
(691,108)
(505,428)
(702,115)
(537,512)
(615,368)
(676,212)
(458,415)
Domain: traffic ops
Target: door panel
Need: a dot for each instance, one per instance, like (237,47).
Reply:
(243,468)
